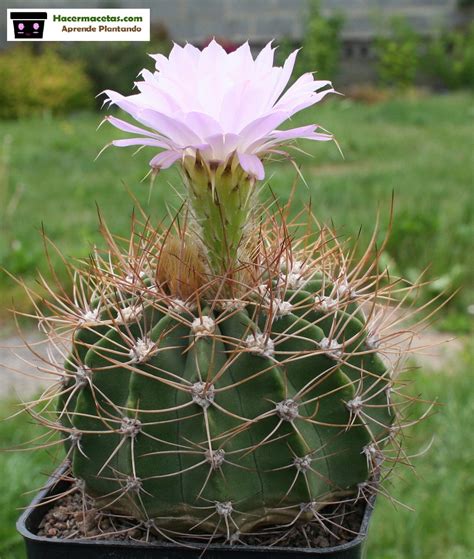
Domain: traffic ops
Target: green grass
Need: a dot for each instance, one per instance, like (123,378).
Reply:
(420,149)
(23,473)
(441,492)
(442,488)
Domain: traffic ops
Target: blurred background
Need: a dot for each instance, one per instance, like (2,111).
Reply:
(405,126)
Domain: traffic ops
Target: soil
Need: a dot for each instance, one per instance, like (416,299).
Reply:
(72,518)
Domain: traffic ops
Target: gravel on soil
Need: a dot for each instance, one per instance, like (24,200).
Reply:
(73,518)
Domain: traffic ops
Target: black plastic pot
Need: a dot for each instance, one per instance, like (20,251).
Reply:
(39,547)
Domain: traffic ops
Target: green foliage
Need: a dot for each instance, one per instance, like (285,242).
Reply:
(450,58)
(115,65)
(321,46)
(40,83)
(397,53)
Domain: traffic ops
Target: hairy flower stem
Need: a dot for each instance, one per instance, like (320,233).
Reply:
(222,203)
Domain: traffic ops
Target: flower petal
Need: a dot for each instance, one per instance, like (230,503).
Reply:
(260,127)
(175,130)
(155,96)
(284,76)
(203,124)
(310,101)
(303,132)
(264,60)
(127,127)
(221,146)
(139,142)
(130,104)
(252,165)
(218,103)
(165,159)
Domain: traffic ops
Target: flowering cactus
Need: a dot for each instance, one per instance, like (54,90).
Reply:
(218,114)
(225,377)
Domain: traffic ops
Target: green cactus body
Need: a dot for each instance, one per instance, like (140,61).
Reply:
(222,201)
(225,418)
(250,404)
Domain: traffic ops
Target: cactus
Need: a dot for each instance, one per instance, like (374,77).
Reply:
(225,414)
(229,373)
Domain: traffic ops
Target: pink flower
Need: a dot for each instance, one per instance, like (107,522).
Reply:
(219,104)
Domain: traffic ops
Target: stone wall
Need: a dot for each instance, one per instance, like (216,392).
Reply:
(261,20)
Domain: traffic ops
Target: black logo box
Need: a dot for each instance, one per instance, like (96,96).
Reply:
(28,25)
